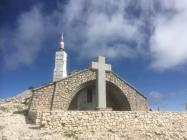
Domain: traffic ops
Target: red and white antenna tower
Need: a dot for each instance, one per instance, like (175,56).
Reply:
(62,42)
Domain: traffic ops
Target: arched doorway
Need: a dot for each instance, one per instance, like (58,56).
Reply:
(116,99)
(86,98)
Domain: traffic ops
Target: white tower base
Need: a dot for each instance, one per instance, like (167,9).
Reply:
(60,70)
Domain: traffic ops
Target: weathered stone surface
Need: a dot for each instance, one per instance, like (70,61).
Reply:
(117,124)
(92,125)
(58,95)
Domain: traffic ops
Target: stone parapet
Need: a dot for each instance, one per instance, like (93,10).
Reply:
(118,122)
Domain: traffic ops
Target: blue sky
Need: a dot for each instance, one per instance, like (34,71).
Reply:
(145,41)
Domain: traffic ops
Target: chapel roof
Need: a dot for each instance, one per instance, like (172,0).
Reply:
(84,70)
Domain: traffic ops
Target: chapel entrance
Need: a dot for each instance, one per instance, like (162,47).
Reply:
(86,98)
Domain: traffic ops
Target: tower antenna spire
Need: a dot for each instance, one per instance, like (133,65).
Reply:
(62,42)
(62,38)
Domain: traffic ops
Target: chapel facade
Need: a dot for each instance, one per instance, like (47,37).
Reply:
(94,88)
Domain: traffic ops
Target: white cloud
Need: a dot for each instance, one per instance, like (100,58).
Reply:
(169,41)
(106,27)
(168,101)
(21,45)
(156,95)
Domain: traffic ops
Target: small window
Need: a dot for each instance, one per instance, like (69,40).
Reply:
(89,95)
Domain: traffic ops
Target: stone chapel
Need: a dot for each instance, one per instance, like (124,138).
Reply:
(94,88)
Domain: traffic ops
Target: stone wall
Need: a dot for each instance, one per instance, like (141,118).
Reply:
(42,98)
(136,100)
(124,125)
(58,95)
(66,89)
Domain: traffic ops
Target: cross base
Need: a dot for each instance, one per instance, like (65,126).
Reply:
(104,109)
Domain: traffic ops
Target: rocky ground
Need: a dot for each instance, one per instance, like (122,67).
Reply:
(14,125)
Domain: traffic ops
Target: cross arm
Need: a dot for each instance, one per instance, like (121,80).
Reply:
(94,65)
(108,67)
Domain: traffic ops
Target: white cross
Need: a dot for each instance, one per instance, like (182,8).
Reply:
(101,67)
